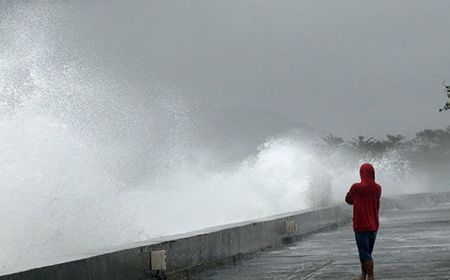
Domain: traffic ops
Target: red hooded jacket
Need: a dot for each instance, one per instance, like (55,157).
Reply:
(365,198)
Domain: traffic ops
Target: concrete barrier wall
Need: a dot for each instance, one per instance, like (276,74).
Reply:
(199,250)
(192,252)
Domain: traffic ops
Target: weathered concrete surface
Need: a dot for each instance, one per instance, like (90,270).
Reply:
(411,244)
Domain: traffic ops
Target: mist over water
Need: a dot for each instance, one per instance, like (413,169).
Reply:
(89,161)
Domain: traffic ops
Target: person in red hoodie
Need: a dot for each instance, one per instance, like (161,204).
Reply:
(365,198)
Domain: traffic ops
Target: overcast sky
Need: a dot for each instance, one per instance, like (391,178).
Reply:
(348,67)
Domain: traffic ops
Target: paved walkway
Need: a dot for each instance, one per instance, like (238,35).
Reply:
(413,244)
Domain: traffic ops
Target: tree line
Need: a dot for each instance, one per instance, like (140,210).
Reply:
(428,153)
(428,140)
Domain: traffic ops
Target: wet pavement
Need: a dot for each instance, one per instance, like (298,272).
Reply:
(411,244)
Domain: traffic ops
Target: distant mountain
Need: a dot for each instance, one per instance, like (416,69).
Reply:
(236,132)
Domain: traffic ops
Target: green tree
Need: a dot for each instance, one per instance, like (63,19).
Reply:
(362,143)
(334,141)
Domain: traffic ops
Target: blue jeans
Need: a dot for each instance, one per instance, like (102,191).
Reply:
(365,240)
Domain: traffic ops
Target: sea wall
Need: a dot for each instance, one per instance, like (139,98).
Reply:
(195,251)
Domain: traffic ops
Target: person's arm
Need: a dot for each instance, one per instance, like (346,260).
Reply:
(379,199)
(349,196)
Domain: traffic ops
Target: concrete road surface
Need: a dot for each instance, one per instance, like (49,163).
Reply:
(411,244)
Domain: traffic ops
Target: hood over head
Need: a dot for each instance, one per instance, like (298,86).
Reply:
(367,172)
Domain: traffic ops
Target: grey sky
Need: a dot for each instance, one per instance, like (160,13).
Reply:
(348,67)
